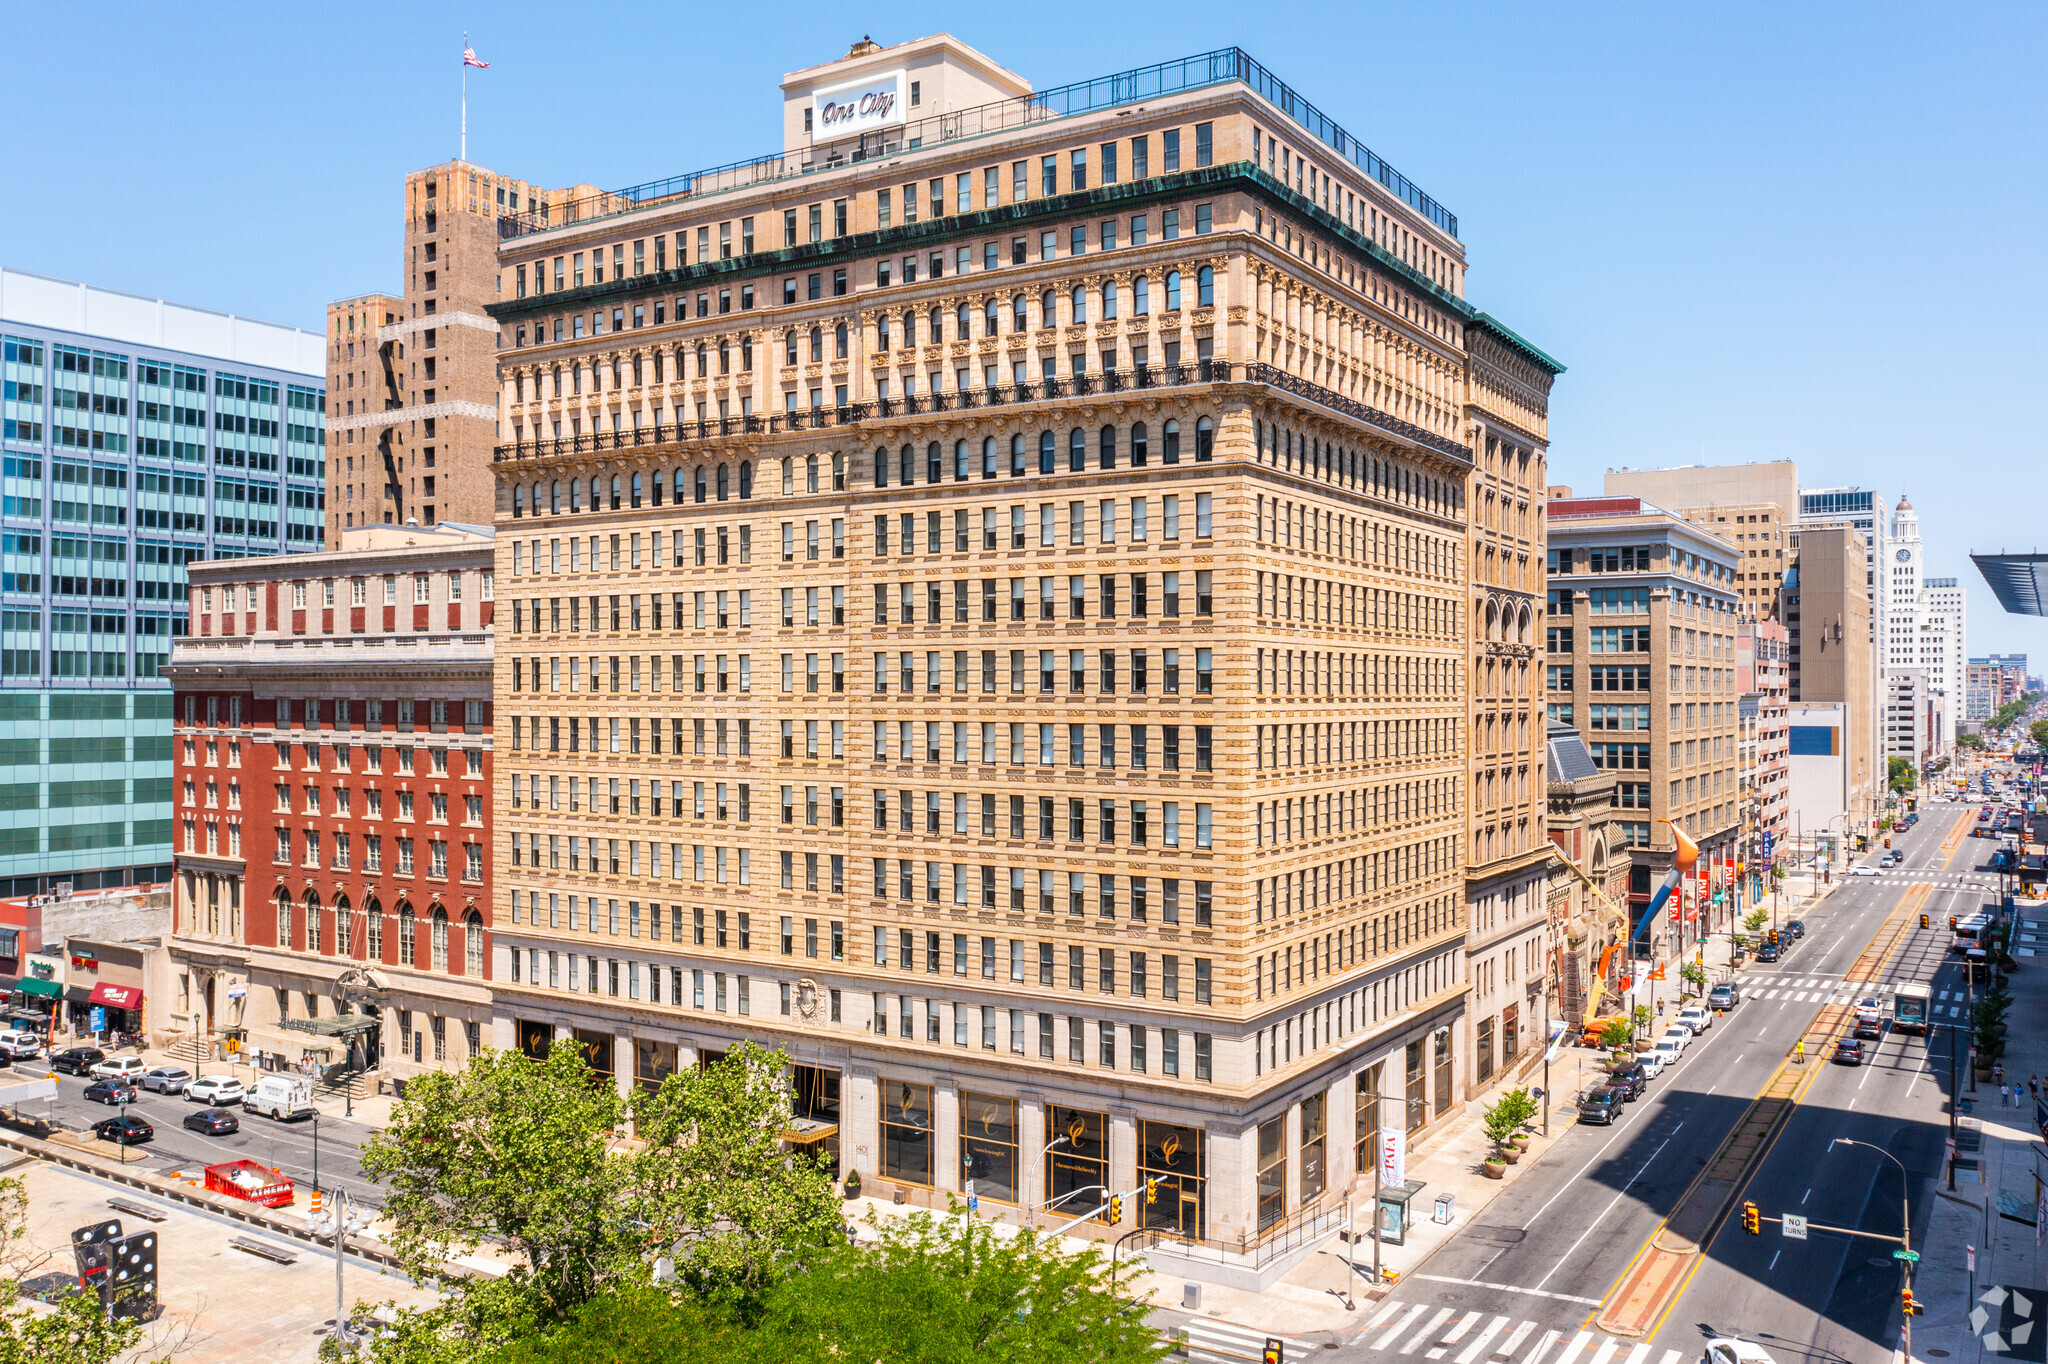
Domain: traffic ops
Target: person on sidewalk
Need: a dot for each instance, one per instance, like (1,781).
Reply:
(1998,1072)
(2004,1096)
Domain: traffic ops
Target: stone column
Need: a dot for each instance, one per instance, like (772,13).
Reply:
(1031,1139)
(1123,1162)
(946,1172)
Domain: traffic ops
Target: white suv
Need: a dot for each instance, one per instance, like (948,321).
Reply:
(1697,1017)
(128,1068)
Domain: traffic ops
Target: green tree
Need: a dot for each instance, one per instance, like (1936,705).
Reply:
(1899,775)
(527,1160)
(1643,1018)
(1695,975)
(2038,732)
(1972,741)
(75,1330)
(1617,1034)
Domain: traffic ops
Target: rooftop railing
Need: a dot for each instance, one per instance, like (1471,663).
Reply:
(1223,66)
(824,418)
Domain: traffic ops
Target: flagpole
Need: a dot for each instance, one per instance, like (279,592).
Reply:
(465,98)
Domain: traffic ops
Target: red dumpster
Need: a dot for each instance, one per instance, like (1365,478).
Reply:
(247,1179)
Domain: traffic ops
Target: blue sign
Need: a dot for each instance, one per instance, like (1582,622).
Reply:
(97,1020)
(1767,842)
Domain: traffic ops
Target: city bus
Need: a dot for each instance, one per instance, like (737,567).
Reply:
(1909,1007)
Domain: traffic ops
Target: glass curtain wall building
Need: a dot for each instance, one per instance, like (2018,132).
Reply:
(139,435)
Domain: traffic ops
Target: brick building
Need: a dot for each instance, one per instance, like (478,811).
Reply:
(332,750)
(991,612)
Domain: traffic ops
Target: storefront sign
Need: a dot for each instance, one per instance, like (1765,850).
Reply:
(850,110)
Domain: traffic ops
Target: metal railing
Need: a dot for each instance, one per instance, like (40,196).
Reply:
(1222,66)
(1141,377)
(1300,1228)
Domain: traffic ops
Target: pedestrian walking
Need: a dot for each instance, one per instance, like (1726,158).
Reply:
(2004,1096)
(1998,1072)
(2034,1088)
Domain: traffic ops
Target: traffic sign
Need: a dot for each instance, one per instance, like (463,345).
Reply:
(1795,1227)
(1911,1257)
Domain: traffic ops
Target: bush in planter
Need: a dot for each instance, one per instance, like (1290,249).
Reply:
(1502,1119)
(1616,1034)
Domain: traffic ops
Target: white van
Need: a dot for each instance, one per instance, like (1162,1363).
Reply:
(282,1097)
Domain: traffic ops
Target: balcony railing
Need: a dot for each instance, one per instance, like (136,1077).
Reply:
(1222,66)
(1142,377)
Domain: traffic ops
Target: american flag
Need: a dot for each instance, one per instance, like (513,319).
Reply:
(469,58)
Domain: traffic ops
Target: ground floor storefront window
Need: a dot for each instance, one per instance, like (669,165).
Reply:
(1272,1171)
(907,1132)
(988,1145)
(1078,1163)
(1172,1155)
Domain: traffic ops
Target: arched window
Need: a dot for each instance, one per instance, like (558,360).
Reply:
(810,473)
(1169,443)
(1077,450)
(315,936)
(747,354)
(788,477)
(597,493)
(1109,301)
(1205,439)
(575,495)
(518,500)
(1016,457)
(536,499)
(724,483)
(817,345)
(839,342)
(473,944)
(680,484)
(1020,314)
(989,457)
(373,925)
(440,938)
(1141,296)
(284,919)
(882,467)
(1048,451)
(1105,448)
(1048,309)
(746,479)
(558,381)
(933,330)
(989,324)
(1173,291)
(1139,446)
(961,459)
(724,357)
(906,466)
(635,494)
(405,936)
(789,346)
(961,321)
(654,484)
(1079,302)
(934,463)
(344,928)
(703,361)
(698,484)
(1205,287)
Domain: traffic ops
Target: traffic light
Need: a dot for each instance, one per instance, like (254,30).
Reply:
(1752,1220)
(1275,1352)
(1116,1209)
(1923,921)
(1951,923)
(1151,1191)
(1887,841)
(1906,1303)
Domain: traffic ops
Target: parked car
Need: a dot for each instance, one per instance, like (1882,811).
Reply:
(1794,928)
(215,1122)
(1629,1080)
(1600,1106)
(24,1046)
(214,1090)
(1724,996)
(282,1097)
(1766,951)
(1697,1017)
(111,1091)
(1652,1062)
(76,1060)
(1849,1051)
(120,1068)
(166,1079)
(1667,1050)
(126,1130)
(1679,1033)
(1888,860)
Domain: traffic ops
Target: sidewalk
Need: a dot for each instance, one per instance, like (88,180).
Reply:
(1983,1211)
(372,1110)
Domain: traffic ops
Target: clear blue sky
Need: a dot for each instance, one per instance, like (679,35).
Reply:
(1808,231)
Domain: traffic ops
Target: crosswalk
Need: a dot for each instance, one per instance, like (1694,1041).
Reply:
(1481,1338)
(1214,1340)
(1813,989)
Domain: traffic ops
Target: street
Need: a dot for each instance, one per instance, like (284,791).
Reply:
(1523,1283)
(288,1146)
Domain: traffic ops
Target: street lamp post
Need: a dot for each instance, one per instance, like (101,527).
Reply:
(1905,1232)
(1032,1212)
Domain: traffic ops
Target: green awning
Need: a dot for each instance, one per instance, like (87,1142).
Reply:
(46,989)
(343,1026)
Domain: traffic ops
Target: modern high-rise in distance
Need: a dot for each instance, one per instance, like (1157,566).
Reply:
(139,435)
(991,594)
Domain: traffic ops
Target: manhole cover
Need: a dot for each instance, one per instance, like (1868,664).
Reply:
(1878,1264)
(1938,1354)
(1447,1297)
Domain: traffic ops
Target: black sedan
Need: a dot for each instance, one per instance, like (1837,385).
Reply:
(214,1122)
(1795,928)
(1629,1081)
(76,1060)
(1767,952)
(110,1092)
(1600,1106)
(126,1130)
(1849,1051)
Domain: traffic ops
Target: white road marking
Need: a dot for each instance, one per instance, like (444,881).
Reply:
(1507,1287)
(1453,1336)
(1442,1314)
(1571,1351)
(1479,1342)
(1603,1212)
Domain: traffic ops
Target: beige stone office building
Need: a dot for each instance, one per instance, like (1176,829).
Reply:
(991,609)
(1827,614)
(1640,657)
(412,375)
(1754,507)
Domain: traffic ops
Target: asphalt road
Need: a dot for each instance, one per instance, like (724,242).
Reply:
(1521,1284)
(288,1146)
